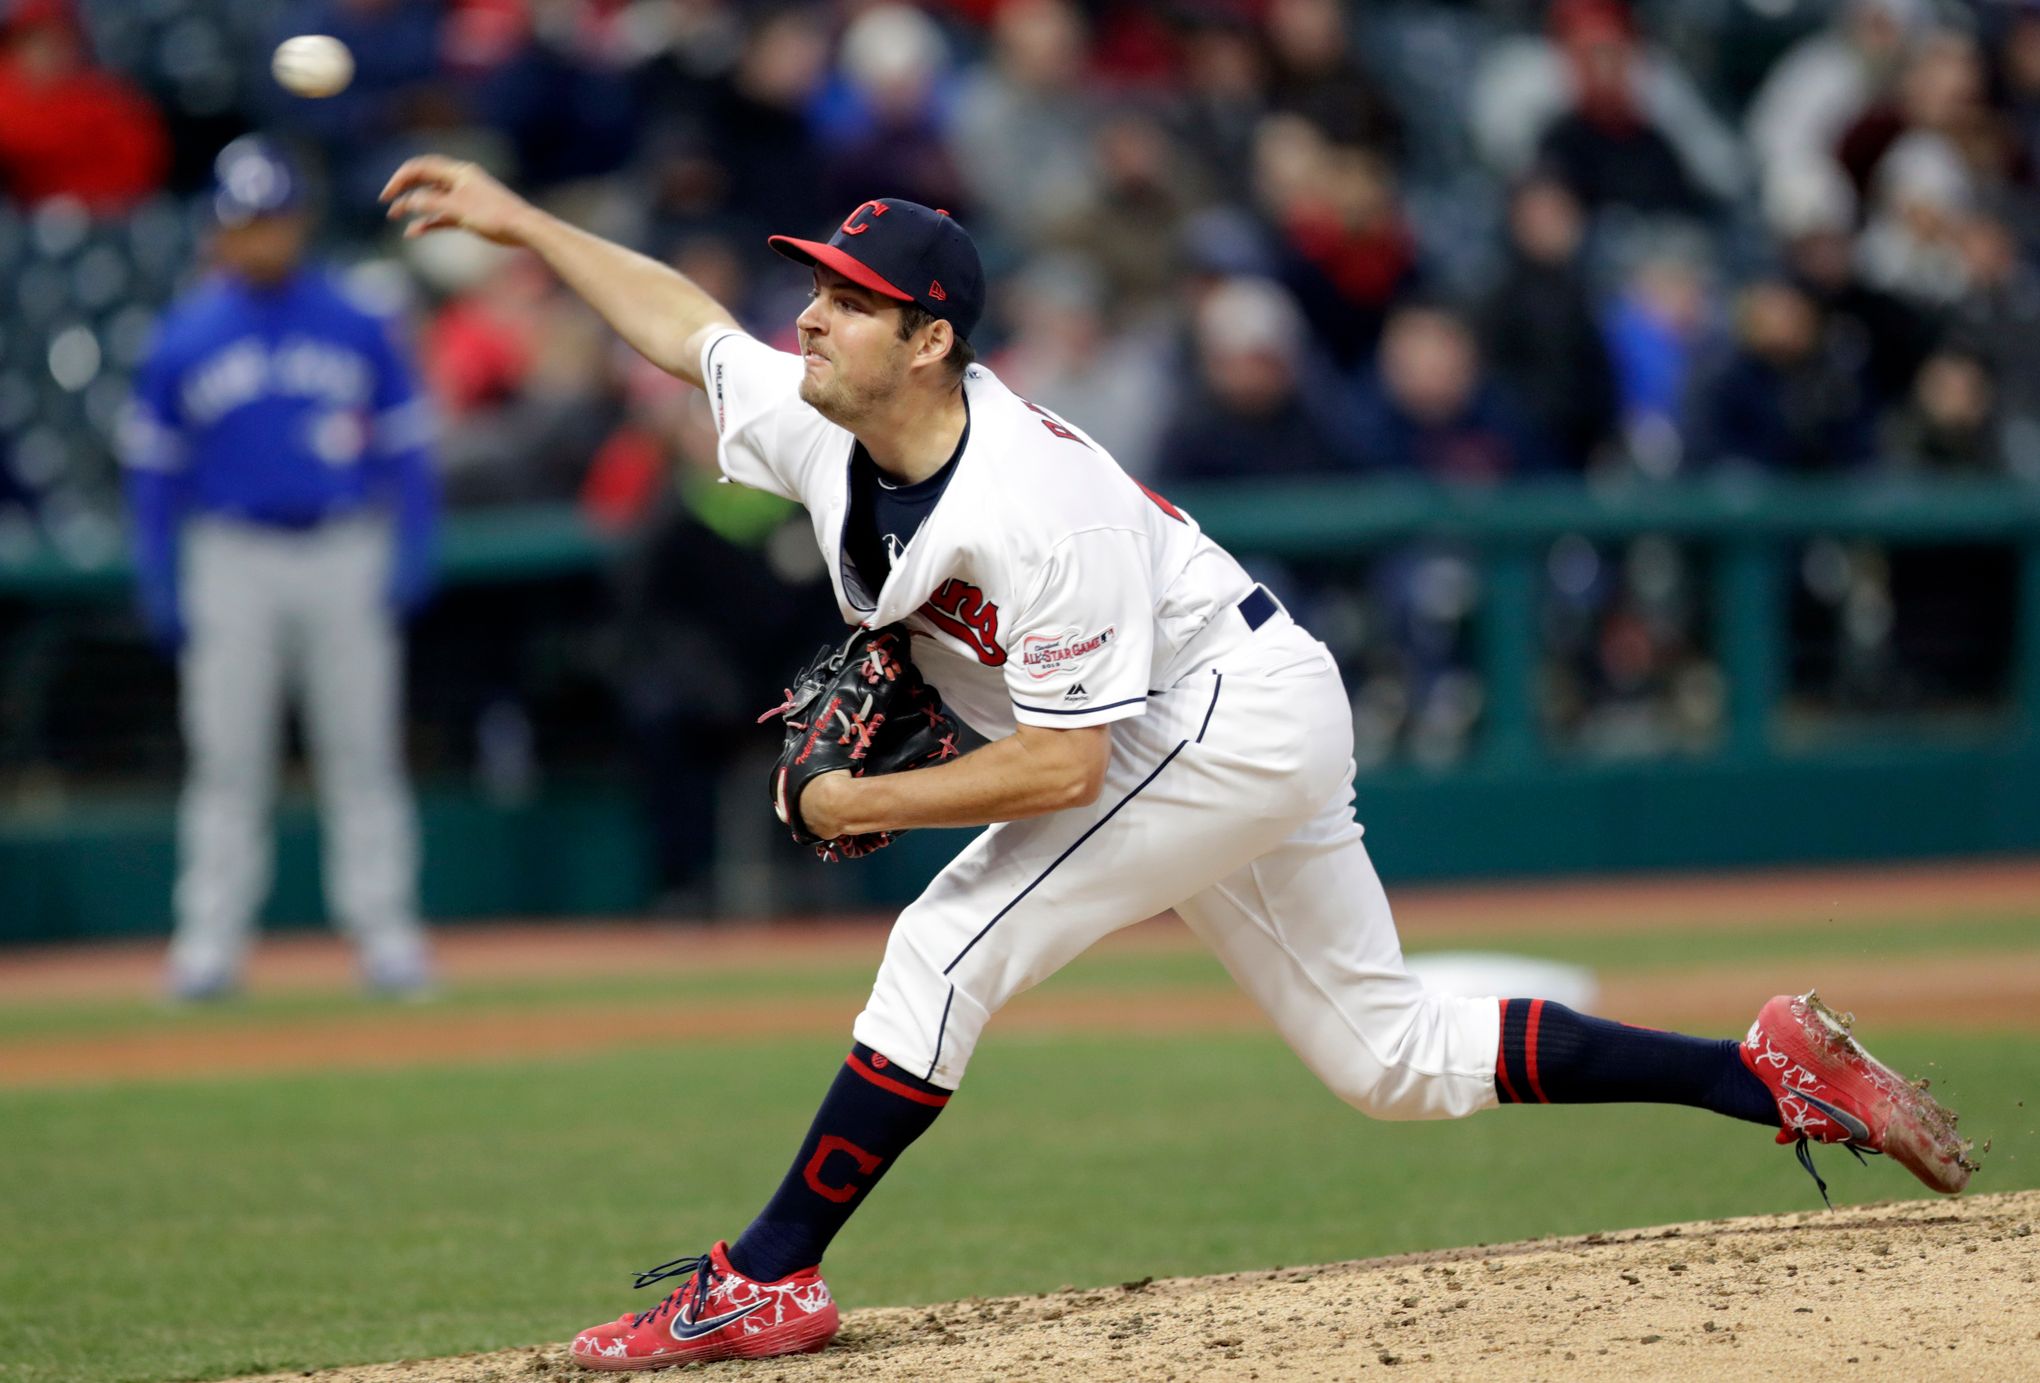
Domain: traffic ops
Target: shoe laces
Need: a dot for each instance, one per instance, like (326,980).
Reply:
(701,1273)
(1805,1157)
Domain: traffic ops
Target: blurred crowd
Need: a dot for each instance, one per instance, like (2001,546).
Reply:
(1468,242)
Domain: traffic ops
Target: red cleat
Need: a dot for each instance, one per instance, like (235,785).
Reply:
(717,1313)
(1829,1090)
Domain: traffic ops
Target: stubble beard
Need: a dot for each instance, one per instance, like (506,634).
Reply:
(843,403)
(828,399)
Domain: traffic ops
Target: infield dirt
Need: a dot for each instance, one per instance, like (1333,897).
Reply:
(1911,1289)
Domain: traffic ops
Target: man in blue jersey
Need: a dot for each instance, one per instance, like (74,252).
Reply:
(284,509)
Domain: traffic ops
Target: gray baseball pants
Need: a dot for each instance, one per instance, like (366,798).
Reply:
(273,613)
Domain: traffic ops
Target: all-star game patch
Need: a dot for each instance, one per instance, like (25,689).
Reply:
(1045,656)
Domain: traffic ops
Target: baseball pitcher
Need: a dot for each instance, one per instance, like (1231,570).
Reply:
(1161,735)
(284,508)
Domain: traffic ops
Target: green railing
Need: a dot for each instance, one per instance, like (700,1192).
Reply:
(1747,523)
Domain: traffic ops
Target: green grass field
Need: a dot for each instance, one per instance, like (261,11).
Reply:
(203,1228)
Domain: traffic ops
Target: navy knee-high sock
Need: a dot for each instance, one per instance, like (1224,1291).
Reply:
(870,1115)
(1552,1055)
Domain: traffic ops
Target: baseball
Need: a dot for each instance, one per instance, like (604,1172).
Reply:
(313,65)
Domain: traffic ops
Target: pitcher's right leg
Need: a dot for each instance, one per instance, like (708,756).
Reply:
(1306,931)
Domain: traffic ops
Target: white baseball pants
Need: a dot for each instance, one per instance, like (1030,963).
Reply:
(1230,800)
(271,613)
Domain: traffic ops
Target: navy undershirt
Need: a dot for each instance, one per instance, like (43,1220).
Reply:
(884,516)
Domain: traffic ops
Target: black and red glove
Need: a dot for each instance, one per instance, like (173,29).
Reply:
(862,707)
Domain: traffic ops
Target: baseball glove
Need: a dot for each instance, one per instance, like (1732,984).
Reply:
(861,707)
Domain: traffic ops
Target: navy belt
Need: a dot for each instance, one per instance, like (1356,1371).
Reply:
(1257,607)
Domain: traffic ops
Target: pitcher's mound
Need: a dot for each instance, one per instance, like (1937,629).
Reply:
(1915,1290)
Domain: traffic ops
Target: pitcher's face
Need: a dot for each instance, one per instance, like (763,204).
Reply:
(852,357)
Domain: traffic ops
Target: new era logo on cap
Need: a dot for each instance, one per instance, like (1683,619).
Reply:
(889,242)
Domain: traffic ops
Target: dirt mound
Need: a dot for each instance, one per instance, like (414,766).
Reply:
(1917,1289)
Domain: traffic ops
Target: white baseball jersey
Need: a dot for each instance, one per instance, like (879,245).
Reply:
(1062,612)
(1048,588)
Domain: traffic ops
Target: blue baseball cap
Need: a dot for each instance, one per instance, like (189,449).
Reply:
(254,177)
(903,251)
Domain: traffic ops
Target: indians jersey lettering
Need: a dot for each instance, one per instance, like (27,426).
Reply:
(959,608)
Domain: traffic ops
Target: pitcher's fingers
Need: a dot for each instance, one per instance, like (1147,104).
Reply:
(428,225)
(420,171)
(419,201)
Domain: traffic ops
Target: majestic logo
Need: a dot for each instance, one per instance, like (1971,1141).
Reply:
(960,610)
(1046,655)
(852,226)
(721,412)
(867,1163)
(694,1330)
(1078,692)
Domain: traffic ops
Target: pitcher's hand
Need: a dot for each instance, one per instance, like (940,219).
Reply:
(440,193)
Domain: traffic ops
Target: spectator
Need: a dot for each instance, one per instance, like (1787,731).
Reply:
(68,129)
(1998,322)
(2018,77)
(1539,331)
(750,156)
(1607,148)
(1254,411)
(886,115)
(523,370)
(560,82)
(1939,96)
(1428,413)
(1910,247)
(1024,122)
(1655,328)
(1812,210)
(1312,74)
(1526,85)
(1066,357)
(477,349)
(1781,400)
(1431,412)
(1223,95)
(1950,425)
(1347,251)
(1132,228)
(1819,89)
(688,670)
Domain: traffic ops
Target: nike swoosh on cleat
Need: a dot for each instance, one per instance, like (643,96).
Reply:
(694,1330)
(1859,1132)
